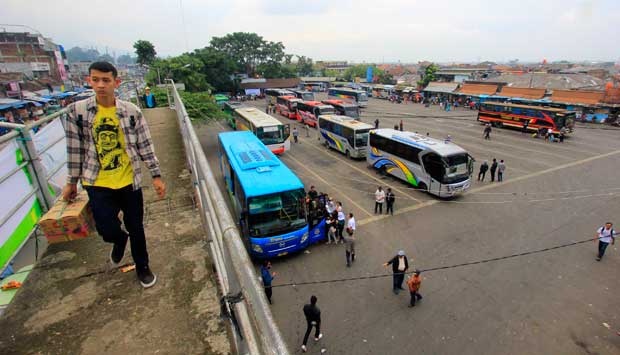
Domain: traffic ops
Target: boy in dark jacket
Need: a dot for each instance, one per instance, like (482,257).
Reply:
(313,318)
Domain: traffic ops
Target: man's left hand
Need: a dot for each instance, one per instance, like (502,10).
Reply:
(159,186)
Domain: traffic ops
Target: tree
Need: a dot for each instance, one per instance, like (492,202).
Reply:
(77,54)
(429,75)
(304,66)
(125,59)
(384,77)
(217,67)
(145,51)
(249,50)
(105,58)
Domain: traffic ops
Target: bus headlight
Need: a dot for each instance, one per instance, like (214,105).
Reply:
(304,237)
(257,248)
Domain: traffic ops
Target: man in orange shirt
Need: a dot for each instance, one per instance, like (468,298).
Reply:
(414,283)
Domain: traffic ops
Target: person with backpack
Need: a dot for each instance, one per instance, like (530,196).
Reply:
(604,235)
(107,141)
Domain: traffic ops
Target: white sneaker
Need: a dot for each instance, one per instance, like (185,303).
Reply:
(303,348)
(319,338)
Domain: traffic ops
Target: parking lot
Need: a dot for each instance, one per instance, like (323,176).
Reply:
(560,301)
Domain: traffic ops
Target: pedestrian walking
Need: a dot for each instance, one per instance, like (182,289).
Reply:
(493,169)
(107,141)
(525,124)
(376,123)
(313,319)
(484,167)
(341,221)
(307,130)
(295,135)
(379,198)
(399,268)
(501,167)
(389,200)
(400,125)
(413,283)
(487,131)
(267,276)
(605,235)
(350,240)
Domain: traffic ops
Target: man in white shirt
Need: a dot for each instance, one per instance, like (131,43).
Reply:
(605,235)
(379,198)
(350,240)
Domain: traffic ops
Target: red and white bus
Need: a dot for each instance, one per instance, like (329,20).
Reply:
(287,106)
(514,115)
(343,108)
(308,111)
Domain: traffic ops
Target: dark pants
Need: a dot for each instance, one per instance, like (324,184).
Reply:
(389,208)
(415,296)
(500,176)
(295,138)
(481,175)
(399,277)
(487,135)
(602,246)
(339,230)
(492,175)
(105,204)
(309,328)
(379,207)
(268,292)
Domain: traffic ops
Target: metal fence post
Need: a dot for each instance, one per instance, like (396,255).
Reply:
(36,169)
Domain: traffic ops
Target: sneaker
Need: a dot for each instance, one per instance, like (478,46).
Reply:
(598,258)
(303,348)
(146,277)
(319,337)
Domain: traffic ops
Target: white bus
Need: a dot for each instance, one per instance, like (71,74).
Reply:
(441,168)
(351,96)
(272,94)
(345,134)
(304,95)
(268,129)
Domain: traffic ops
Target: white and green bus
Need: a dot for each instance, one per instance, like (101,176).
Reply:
(344,134)
(439,167)
(351,96)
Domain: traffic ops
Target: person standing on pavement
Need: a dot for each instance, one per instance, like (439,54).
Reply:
(400,125)
(307,130)
(399,268)
(484,167)
(376,123)
(605,235)
(389,200)
(330,224)
(267,277)
(501,167)
(313,319)
(379,198)
(341,221)
(349,240)
(413,283)
(295,135)
(487,131)
(107,141)
(493,169)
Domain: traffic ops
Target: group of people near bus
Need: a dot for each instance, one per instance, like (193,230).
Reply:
(495,167)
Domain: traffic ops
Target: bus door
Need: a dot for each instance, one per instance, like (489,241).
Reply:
(315,216)
(287,134)
(434,167)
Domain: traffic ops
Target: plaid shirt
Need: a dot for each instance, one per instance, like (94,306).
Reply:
(82,159)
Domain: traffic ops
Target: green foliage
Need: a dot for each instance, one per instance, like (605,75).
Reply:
(385,78)
(217,68)
(359,71)
(125,59)
(199,105)
(429,75)
(249,50)
(329,72)
(145,51)
(77,54)
(304,66)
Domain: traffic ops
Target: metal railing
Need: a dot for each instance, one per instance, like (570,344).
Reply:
(23,135)
(256,331)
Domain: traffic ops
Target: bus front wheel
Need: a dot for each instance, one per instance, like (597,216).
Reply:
(422,187)
(348,154)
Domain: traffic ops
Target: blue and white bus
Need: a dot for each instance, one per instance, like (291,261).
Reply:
(439,167)
(268,199)
(350,96)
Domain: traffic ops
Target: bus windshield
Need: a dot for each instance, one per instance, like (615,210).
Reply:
(277,213)
(362,97)
(270,135)
(307,96)
(327,110)
(457,168)
(361,138)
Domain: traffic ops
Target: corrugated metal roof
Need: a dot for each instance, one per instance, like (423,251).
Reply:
(577,97)
(441,87)
(524,93)
(478,89)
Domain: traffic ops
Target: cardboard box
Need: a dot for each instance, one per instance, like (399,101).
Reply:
(68,221)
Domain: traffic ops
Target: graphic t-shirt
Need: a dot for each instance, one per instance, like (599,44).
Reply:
(116,171)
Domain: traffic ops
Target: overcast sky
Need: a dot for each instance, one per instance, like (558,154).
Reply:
(353,30)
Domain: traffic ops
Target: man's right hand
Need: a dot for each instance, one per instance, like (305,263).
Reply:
(69,192)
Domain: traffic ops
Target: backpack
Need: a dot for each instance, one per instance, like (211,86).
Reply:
(602,228)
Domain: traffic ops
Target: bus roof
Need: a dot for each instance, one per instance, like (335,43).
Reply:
(258,117)
(315,103)
(505,104)
(346,121)
(348,90)
(338,103)
(420,141)
(259,171)
(290,98)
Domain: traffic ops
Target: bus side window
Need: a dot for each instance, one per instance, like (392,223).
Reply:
(433,166)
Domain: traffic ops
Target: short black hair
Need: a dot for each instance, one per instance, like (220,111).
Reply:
(265,262)
(313,299)
(104,67)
